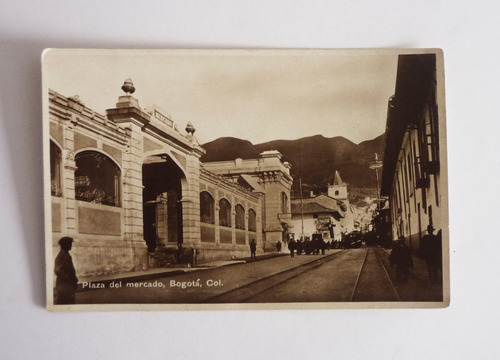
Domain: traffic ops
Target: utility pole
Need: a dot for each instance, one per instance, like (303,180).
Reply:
(375,165)
(301,210)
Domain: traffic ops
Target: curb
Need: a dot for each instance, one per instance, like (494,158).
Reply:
(104,283)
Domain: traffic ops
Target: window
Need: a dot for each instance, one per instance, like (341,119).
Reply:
(432,136)
(240,217)
(284,203)
(224,213)
(252,220)
(336,192)
(55,169)
(207,205)
(97,179)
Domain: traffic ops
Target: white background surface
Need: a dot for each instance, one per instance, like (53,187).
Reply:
(468,33)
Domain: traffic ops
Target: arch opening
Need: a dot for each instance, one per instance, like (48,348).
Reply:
(97,179)
(162,207)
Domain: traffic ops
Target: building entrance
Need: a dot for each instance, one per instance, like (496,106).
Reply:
(162,207)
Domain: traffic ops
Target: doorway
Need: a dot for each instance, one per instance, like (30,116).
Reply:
(162,206)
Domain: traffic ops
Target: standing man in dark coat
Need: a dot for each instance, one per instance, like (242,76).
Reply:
(401,258)
(431,251)
(253,249)
(291,246)
(67,281)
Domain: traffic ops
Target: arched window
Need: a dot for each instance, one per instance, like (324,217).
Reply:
(55,169)
(284,203)
(207,204)
(252,220)
(97,179)
(240,217)
(336,192)
(224,213)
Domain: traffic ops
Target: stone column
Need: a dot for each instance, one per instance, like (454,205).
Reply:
(162,221)
(129,115)
(132,187)
(191,203)
(247,231)
(68,181)
(216,217)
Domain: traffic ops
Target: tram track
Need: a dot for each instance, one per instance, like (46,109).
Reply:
(370,274)
(356,275)
(359,275)
(251,290)
(388,276)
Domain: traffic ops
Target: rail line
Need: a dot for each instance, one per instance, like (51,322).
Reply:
(257,287)
(359,275)
(386,276)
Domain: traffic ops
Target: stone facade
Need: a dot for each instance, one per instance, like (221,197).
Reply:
(271,177)
(414,166)
(127,187)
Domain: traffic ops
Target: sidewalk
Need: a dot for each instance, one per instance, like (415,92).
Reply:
(419,270)
(84,283)
(419,287)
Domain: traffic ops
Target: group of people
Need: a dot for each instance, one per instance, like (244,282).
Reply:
(430,251)
(292,245)
(253,248)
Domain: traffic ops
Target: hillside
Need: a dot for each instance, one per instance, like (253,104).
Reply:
(314,159)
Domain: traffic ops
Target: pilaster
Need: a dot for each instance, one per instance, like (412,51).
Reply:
(132,187)
(68,179)
(191,203)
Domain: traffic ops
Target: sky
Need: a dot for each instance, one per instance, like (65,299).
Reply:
(256,95)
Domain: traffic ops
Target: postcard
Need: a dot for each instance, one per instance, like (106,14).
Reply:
(245,179)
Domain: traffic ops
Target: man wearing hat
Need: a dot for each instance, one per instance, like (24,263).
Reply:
(67,281)
(401,258)
(430,250)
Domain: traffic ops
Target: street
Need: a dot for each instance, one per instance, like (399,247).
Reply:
(351,275)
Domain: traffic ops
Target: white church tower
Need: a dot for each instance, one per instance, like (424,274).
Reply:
(338,191)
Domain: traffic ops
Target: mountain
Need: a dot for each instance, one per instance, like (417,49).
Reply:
(314,159)
(229,148)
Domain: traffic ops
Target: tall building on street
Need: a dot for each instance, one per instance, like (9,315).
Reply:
(414,163)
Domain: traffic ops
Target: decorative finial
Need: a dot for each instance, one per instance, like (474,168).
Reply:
(76,98)
(190,128)
(128,86)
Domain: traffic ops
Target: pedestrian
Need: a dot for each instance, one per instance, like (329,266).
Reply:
(253,248)
(278,246)
(66,282)
(401,258)
(431,251)
(180,250)
(291,246)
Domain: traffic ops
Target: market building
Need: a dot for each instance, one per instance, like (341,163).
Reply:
(271,177)
(414,164)
(130,189)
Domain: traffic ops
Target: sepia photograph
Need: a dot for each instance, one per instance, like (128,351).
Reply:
(245,179)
